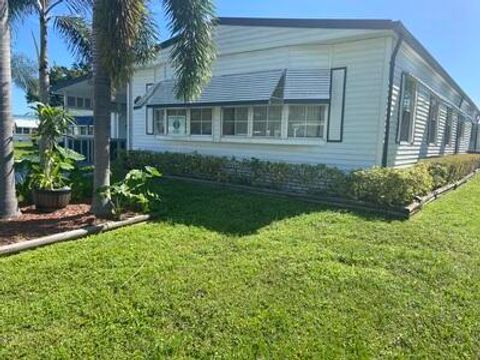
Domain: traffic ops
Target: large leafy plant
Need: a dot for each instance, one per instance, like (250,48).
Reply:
(49,172)
(134,192)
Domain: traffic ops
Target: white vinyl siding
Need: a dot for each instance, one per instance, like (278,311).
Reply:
(366,61)
(430,85)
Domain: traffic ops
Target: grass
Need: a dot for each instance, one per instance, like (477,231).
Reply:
(22,149)
(229,275)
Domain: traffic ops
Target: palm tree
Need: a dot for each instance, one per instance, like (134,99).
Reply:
(45,10)
(8,200)
(122,33)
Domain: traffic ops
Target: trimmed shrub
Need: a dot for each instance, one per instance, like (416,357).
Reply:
(449,169)
(387,187)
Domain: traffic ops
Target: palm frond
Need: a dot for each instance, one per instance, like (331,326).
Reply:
(126,34)
(24,73)
(79,7)
(19,9)
(78,35)
(192,22)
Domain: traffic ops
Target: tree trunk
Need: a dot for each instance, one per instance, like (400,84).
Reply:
(101,113)
(8,200)
(43,75)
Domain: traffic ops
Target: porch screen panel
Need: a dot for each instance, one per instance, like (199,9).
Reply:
(337,105)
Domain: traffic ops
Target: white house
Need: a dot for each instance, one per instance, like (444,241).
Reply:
(25,127)
(346,93)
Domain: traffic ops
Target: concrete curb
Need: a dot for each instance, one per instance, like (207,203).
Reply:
(70,235)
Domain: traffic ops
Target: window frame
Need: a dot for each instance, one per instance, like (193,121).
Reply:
(325,110)
(201,109)
(413,110)
(222,121)
(433,117)
(447,141)
(267,121)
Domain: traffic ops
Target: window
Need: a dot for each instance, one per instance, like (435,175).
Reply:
(201,121)
(267,121)
(83,130)
(88,103)
(448,127)
(19,130)
(461,128)
(148,86)
(177,122)
(235,121)
(433,119)
(407,108)
(159,121)
(90,130)
(306,121)
(26,131)
(80,102)
(71,101)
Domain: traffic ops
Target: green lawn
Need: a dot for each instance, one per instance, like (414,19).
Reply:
(22,149)
(230,275)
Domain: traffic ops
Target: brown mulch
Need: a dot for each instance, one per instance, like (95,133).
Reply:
(33,224)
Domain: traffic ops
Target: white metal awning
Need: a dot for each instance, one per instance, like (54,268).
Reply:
(289,85)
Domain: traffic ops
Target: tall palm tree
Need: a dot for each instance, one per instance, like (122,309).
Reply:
(46,10)
(8,200)
(121,31)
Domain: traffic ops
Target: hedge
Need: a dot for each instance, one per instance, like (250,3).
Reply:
(388,187)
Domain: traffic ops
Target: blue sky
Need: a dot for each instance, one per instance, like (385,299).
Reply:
(448,29)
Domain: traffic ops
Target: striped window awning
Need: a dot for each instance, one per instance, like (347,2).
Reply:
(261,87)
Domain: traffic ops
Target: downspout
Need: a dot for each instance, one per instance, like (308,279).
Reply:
(393,60)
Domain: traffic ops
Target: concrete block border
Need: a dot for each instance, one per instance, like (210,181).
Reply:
(70,235)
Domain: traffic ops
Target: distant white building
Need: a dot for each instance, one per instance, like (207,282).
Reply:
(25,127)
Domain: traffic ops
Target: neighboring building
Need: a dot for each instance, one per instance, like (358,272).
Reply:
(77,95)
(25,127)
(346,93)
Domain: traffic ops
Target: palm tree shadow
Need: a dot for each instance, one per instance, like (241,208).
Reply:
(234,212)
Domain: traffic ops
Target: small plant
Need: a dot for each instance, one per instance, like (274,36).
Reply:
(134,192)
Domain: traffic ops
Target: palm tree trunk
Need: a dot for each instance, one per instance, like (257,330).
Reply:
(101,114)
(43,75)
(8,200)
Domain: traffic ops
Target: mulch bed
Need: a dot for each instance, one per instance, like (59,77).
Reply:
(33,224)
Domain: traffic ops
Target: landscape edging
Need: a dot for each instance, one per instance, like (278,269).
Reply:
(70,235)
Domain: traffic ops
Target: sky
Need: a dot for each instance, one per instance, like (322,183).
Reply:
(448,29)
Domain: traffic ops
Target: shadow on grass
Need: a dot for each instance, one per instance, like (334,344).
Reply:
(234,212)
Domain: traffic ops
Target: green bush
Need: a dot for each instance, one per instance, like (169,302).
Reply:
(389,186)
(381,186)
(449,169)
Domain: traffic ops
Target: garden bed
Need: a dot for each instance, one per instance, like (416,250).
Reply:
(32,224)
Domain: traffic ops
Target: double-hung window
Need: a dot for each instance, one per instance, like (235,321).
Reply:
(433,119)
(201,121)
(448,127)
(267,121)
(407,109)
(306,121)
(235,121)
